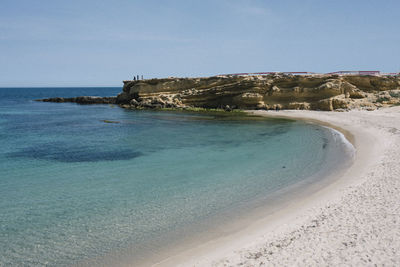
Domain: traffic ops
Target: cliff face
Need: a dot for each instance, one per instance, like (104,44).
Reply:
(263,92)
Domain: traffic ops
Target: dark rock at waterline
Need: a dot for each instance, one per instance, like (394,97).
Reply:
(83,100)
(227,108)
(109,121)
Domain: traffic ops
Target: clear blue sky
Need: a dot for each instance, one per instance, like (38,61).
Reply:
(101,43)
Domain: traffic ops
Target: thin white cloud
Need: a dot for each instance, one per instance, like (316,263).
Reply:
(248,8)
(252,10)
(44,29)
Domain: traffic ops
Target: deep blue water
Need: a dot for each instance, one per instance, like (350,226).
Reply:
(74,187)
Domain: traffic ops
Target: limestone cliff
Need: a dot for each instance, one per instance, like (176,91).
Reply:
(263,92)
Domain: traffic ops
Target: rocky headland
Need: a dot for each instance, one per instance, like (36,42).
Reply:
(274,91)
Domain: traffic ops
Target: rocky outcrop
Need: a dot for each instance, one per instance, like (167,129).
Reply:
(274,91)
(82,100)
(263,92)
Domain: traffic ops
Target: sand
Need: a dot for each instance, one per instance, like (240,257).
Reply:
(354,220)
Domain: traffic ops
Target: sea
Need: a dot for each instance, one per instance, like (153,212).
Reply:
(80,184)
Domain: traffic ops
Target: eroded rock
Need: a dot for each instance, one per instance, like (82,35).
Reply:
(82,100)
(255,92)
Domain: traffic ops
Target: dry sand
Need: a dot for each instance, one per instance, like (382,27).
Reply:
(353,221)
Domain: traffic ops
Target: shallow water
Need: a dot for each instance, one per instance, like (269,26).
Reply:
(75,187)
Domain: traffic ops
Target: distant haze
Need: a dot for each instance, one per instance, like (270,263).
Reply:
(101,43)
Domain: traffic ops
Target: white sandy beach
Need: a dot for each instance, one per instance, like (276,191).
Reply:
(353,221)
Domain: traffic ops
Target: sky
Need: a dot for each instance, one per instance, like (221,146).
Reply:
(102,43)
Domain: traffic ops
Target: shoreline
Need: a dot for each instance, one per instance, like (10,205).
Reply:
(247,246)
(241,215)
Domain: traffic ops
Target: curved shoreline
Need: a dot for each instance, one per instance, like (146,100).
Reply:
(285,224)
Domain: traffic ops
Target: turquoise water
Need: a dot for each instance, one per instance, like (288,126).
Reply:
(74,188)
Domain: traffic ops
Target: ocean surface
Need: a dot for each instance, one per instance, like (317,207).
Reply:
(79,183)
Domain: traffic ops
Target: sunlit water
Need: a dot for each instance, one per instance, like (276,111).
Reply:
(79,182)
